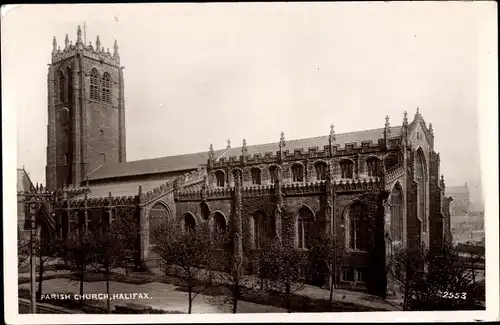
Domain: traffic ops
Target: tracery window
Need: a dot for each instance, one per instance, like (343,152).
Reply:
(321,171)
(421,189)
(347,169)
(358,228)
(256,176)
(61,88)
(106,88)
(220,178)
(157,215)
(219,227)
(298,173)
(304,219)
(373,166)
(94,85)
(189,224)
(397,214)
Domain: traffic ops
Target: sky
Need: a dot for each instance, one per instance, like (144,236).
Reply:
(197,74)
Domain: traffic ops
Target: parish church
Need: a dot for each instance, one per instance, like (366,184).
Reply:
(291,189)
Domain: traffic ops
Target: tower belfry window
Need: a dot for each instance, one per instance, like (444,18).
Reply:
(94,85)
(62,95)
(106,89)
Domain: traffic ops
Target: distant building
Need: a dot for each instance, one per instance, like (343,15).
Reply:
(466,228)
(461,200)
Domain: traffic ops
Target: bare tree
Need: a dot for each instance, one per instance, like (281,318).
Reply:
(45,251)
(283,266)
(328,252)
(77,254)
(22,248)
(188,252)
(108,251)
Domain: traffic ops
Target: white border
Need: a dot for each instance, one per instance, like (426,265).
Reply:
(488,119)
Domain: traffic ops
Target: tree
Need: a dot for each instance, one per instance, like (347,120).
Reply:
(232,275)
(78,253)
(189,252)
(406,267)
(45,250)
(108,251)
(126,228)
(284,267)
(327,251)
(433,279)
(23,253)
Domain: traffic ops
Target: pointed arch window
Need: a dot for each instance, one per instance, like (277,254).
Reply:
(421,189)
(106,88)
(220,178)
(397,214)
(61,88)
(298,173)
(256,176)
(373,165)
(157,215)
(189,224)
(347,168)
(219,227)
(94,85)
(304,219)
(205,210)
(358,228)
(321,171)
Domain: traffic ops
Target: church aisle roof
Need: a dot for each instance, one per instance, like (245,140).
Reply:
(195,160)
(124,188)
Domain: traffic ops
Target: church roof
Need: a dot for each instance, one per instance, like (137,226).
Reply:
(195,160)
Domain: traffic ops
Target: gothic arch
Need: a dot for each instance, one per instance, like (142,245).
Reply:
(95,82)
(256,173)
(219,225)
(304,206)
(356,226)
(188,222)
(220,177)
(422,187)
(298,176)
(106,87)
(304,219)
(397,212)
(205,211)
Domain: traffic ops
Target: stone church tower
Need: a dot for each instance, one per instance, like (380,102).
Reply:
(86,111)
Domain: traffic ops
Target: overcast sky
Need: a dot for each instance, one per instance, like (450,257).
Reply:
(197,74)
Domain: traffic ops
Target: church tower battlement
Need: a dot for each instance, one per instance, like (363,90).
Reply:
(86,111)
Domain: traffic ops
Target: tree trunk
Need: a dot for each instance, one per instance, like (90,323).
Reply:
(108,304)
(126,267)
(405,299)
(39,295)
(81,285)
(235,297)
(332,280)
(190,294)
(287,298)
